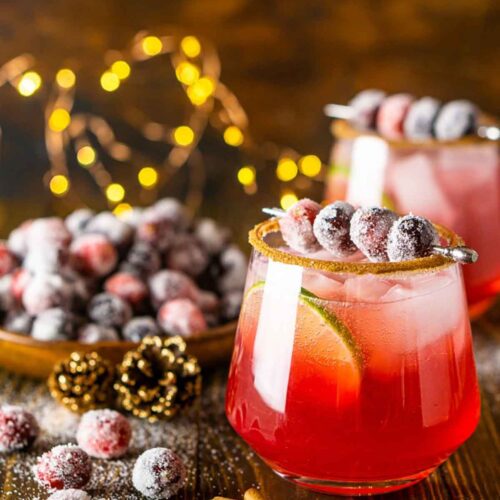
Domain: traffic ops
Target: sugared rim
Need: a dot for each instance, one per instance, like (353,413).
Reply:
(257,236)
(342,129)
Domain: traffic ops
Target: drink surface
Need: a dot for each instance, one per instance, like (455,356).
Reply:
(353,378)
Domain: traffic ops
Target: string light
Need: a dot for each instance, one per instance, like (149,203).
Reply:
(152,45)
(109,81)
(233,136)
(310,165)
(201,90)
(115,192)
(59,120)
(187,73)
(59,185)
(183,135)
(286,170)
(148,177)
(121,69)
(122,208)
(287,200)
(29,83)
(246,175)
(65,78)
(191,46)
(86,156)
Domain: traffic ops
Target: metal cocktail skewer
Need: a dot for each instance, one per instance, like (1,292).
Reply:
(462,254)
(490,132)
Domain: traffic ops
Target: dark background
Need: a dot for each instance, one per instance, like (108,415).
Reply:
(283,59)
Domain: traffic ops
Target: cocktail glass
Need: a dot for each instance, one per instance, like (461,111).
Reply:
(352,377)
(455,184)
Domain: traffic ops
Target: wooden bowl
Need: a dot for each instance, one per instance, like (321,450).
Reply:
(24,355)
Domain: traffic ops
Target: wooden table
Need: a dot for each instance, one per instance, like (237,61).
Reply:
(220,463)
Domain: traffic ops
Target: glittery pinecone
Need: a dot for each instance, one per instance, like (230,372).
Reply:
(158,379)
(82,382)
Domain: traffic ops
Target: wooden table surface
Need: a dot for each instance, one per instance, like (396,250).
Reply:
(220,463)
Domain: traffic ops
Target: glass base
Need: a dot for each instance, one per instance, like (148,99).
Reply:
(361,488)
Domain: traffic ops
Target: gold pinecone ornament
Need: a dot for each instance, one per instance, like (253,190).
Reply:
(158,379)
(82,382)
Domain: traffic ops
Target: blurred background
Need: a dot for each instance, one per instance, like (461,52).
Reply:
(282,60)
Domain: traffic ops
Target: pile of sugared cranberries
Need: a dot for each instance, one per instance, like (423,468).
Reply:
(400,116)
(18,429)
(341,230)
(99,277)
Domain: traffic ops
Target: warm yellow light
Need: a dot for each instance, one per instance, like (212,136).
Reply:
(246,175)
(151,45)
(59,120)
(65,78)
(191,46)
(201,90)
(121,69)
(286,170)
(29,83)
(148,177)
(187,73)
(59,185)
(233,136)
(287,200)
(115,192)
(122,208)
(183,135)
(86,156)
(310,165)
(109,81)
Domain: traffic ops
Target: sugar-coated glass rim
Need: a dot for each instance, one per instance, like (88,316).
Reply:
(257,235)
(342,129)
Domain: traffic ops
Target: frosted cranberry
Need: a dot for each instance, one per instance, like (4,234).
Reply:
(411,237)
(159,473)
(45,291)
(7,300)
(231,304)
(128,287)
(18,321)
(50,230)
(92,333)
(53,324)
(20,279)
(172,210)
(234,269)
(77,221)
(143,259)
(8,260)
(115,230)
(366,105)
(93,254)
(18,239)
(168,285)
(156,229)
(392,114)
(187,255)
(109,310)
(45,258)
(104,434)
(369,231)
(138,328)
(70,494)
(181,317)
(63,467)
(332,226)
(18,428)
(419,122)
(297,226)
(455,119)
(212,236)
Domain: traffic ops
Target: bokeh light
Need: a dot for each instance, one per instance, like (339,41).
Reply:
(29,83)
(65,78)
(152,45)
(59,185)
(310,165)
(183,135)
(121,69)
(246,175)
(187,73)
(286,170)
(201,90)
(109,81)
(115,192)
(148,177)
(86,156)
(288,199)
(233,136)
(122,208)
(59,120)
(191,46)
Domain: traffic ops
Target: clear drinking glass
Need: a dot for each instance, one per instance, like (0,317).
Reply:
(456,184)
(352,377)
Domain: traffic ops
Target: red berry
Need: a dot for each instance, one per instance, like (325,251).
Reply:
(155,228)
(65,466)
(18,428)
(20,279)
(70,494)
(181,317)
(128,287)
(297,226)
(392,114)
(168,285)
(93,254)
(104,434)
(50,230)
(18,239)
(7,260)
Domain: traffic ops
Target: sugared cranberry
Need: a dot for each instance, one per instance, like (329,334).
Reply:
(18,239)
(104,434)
(7,300)
(212,236)
(65,466)
(392,114)
(411,237)
(8,260)
(128,287)
(420,119)
(138,328)
(181,317)
(231,304)
(143,259)
(168,285)
(18,321)
(187,256)
(92,333)
(18,428)
(50,231)
(115,230)
(53,324)
(159,473)
(45,291)
(173,210)
(156,229)
(456,119)
(77,221)
(93,254)
(109,310)
(234,265)
(20,279)
(70,494)
(369,231)
(45,258)
(297,226)
(332,226)
(366,105)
